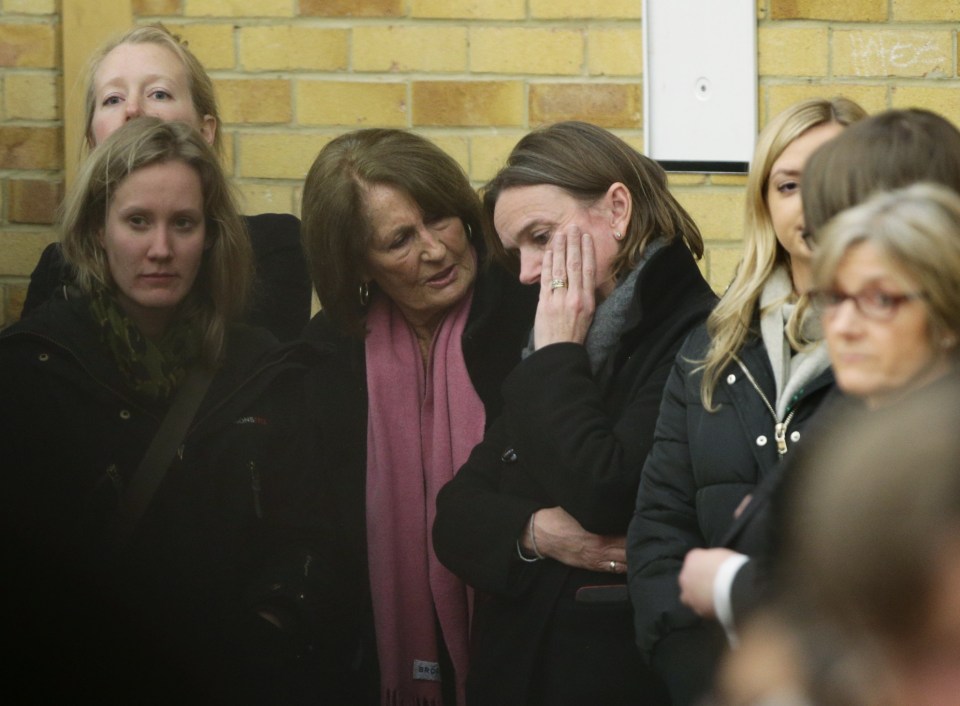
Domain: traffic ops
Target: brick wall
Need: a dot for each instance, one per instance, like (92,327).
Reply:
(474,75)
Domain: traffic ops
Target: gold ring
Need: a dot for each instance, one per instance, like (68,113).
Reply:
(558,283)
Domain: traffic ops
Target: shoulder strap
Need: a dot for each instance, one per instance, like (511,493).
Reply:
(155,462)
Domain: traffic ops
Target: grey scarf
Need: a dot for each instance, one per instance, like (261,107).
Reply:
(608,319)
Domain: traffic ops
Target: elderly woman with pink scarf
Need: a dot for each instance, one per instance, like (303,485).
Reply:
(425,332)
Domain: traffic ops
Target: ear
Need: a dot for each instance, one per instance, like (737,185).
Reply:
(208,128)
(620,204)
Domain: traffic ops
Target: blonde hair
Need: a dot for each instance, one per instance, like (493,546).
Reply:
(219,293)
(198,81)
(729,323)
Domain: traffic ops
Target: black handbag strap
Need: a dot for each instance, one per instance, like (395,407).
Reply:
(159,455)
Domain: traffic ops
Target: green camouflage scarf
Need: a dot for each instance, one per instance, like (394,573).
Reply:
(153,369)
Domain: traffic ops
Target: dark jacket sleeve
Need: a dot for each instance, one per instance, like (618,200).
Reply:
(477,526)
(51,271)
(588,460)
(665,525)
(681,647)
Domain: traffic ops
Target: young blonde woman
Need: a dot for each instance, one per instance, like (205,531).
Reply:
(149,71)
(742,389)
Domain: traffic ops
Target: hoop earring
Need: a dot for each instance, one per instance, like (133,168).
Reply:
(469,232)
(364,293)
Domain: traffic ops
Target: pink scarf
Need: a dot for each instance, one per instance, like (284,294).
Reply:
(420,429)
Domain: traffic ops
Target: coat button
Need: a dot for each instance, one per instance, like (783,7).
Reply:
(731,378)
(43,357)
(761,440)
(795,436)
(124,414)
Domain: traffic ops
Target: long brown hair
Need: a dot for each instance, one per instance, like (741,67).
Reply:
(220,290)
(336,230)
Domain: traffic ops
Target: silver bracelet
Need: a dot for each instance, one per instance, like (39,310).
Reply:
(537,556)
(533,538)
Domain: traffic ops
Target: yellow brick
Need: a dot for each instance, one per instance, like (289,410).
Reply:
(926,10)
(845,11)
(792,51)
(615,52)
(718,211)
(28,46)
(472,104)
(352,8)
(722,260)
(32,96)
(30,148)
(456,147)
(409,48)
(897,52)
(33,200)
(469,9)
(779,97)
(609,105)
(20,250)
(354,104)
(227,141)
(488,153)
(526,50)
(563,9)
(266,198)
(156,8)
(212,43)
(278,155)
(290,47)
(940,99)
(239,8)
(254,100)
(29,7)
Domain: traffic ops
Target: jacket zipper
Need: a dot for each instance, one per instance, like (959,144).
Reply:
(779,427)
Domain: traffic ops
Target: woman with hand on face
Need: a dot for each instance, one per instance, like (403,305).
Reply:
(149,71)
(155,502)
(535,520)
(743,388)
(424,331)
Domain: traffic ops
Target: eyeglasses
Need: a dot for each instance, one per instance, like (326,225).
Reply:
(872,303)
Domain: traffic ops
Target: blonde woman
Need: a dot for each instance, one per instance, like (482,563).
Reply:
(742,389)
(147,71)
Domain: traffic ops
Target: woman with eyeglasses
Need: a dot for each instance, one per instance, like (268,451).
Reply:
(742,389)
(865,609)
(888,284)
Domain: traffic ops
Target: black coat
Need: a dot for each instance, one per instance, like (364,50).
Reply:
(701,467)
(497,329)
(759,529)
(241,524)
(568,438)
(280,300)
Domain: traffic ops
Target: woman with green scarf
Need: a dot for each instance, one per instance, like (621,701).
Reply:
(191,570)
